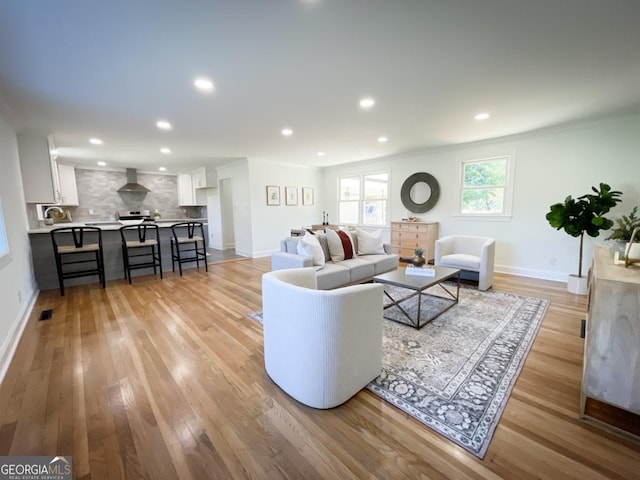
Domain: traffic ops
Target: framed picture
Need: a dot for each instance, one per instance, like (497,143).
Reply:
(273,195)
(307,196)
(291,194)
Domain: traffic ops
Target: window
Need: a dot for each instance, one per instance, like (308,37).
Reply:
(486,187)
(362,199)
(4,245)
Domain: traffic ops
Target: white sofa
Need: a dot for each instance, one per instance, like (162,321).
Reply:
(335,274)
(320,347)
(468,254)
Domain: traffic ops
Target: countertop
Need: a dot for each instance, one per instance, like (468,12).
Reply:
(112,225)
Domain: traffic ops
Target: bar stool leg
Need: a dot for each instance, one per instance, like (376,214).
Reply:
(159,259)
(59,269)
(100,263)
(125,263)
(204,253)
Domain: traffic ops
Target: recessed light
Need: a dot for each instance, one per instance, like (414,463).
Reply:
(162,169)
(482,116)
(203,84)
(382,139)
(95,141)
(367,102)
(287,132)
(163,125)
(102,164)
(321,154)
(165,150)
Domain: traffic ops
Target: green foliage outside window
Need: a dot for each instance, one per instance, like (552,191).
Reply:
(483,186)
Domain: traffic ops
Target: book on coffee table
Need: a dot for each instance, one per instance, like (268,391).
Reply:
(421,271)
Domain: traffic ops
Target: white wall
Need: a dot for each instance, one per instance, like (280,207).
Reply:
(550,165)
(17,282)
(238,172)
(273,223)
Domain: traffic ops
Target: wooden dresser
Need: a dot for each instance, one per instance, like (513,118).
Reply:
(407,236)
(611,373)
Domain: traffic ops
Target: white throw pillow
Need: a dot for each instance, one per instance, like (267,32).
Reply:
(369,243)
(336,248)
(309,246)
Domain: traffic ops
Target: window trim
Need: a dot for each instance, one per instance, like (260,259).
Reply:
(361,200)
(503,216)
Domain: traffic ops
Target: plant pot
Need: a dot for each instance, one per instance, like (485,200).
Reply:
(632,250)
(577,285)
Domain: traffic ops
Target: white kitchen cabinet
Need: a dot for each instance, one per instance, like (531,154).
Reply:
(37,169)
(188,196)
(43,179)
(204,177)
(67,186)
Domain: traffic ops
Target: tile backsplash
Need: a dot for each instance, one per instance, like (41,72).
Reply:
(98,191)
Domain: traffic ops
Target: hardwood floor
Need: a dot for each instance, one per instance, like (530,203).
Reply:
(165,379)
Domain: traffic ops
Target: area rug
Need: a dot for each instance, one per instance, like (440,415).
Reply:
(455,374)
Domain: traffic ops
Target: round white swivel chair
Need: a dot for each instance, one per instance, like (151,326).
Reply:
(320,346)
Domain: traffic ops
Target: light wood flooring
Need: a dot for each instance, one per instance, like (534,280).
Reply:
(164,379)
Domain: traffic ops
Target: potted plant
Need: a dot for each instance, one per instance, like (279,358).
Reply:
(621,233)
(583,215)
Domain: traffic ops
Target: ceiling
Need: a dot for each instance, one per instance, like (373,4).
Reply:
(111,69)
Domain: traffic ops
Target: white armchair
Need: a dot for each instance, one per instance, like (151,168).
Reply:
(320,346)
(469,254)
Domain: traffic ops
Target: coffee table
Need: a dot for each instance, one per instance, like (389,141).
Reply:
(419,284)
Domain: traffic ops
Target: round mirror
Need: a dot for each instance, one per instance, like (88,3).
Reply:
(420,192)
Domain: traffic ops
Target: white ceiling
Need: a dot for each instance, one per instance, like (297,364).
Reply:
(110,69)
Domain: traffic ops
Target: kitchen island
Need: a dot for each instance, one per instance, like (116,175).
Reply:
(44,263)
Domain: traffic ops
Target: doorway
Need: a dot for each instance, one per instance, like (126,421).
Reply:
(226,214)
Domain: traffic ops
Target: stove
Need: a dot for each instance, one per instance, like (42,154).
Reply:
(135,215)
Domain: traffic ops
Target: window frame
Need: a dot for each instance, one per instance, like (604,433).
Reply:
(361,200)
(506,213)
(5,251)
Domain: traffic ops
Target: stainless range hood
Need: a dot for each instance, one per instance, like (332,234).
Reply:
(132,184)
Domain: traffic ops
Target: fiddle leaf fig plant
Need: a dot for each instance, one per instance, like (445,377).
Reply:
(584,214)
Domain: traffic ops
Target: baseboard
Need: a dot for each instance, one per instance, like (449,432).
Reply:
(10,344)
(244,253)
(263,253)
(533,273)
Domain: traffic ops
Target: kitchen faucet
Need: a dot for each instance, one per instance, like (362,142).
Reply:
(58,209)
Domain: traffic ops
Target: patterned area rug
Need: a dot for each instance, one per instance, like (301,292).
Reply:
(455,374)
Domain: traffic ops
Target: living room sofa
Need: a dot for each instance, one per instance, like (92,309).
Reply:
(335,274)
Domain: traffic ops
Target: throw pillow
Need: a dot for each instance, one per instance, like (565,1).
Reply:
(369,243)
(309,246)
(322,238)
(340,245)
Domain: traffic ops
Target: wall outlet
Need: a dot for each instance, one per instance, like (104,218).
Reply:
(91,211)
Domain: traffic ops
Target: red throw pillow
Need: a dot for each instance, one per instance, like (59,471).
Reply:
(346,244)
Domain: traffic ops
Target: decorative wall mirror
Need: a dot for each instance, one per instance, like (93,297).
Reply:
(420,192)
